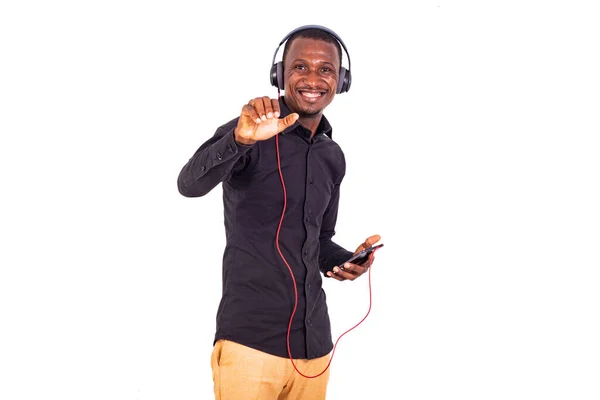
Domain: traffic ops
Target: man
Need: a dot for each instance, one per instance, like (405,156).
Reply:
(281,174)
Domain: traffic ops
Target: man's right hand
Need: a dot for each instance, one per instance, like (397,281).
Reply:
(260,121)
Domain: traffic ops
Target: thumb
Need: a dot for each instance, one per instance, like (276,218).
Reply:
(286,122)
(371,240)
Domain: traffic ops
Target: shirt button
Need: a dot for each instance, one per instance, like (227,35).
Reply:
(219,156)
(309,322)
(310,182)
(203,168)
(309,286)
(305,252)
(307,219)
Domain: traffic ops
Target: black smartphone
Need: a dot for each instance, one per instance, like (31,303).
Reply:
(362,257)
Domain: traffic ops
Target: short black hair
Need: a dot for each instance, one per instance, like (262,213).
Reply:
(313,33)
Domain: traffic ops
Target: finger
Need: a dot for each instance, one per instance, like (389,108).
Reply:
(345,274)
(360,248)
(364,245)
(334,276)
(275,105)
(286,122)
(250,111)
(355,269)
(259,107)
(371,240)
(268,107)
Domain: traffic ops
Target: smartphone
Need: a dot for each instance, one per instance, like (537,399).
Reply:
(362,257)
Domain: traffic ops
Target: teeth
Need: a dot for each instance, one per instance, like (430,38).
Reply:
(311,94)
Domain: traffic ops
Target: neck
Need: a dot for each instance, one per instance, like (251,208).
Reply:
(311,122)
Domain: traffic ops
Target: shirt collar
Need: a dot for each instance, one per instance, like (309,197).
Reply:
(324,126)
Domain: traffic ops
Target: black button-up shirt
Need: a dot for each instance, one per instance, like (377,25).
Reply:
(257,293)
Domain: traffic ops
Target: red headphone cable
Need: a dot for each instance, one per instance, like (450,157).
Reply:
(294,279)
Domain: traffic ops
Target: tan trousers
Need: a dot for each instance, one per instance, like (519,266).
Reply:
(243,373)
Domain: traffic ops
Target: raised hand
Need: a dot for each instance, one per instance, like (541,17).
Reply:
(259,120)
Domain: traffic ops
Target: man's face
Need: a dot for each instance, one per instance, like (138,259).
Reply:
(311,69)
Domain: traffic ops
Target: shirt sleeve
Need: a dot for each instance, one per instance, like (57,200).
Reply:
(331,253)
(214,162)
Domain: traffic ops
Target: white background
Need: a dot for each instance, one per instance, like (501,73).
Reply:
(471,136)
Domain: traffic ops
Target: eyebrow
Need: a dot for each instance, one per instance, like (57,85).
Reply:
(304,61)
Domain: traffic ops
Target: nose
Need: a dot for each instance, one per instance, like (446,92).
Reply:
(312,77)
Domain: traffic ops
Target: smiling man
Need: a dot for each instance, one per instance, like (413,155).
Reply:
(281,174)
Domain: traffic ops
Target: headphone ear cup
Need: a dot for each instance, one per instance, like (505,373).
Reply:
(273,76)
(344,81)
(348,82)
(277,75)
(280,75)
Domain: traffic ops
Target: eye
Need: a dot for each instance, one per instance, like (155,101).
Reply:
(300,67)
(326,70)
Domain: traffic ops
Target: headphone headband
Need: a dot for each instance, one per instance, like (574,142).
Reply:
(320,27)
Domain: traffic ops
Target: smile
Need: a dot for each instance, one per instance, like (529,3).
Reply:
(311,95)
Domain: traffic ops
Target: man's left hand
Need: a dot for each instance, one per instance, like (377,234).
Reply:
(353,271)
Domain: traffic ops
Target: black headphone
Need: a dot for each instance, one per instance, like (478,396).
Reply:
(345,78)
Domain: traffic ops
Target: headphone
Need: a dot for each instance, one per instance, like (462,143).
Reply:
(345,78)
